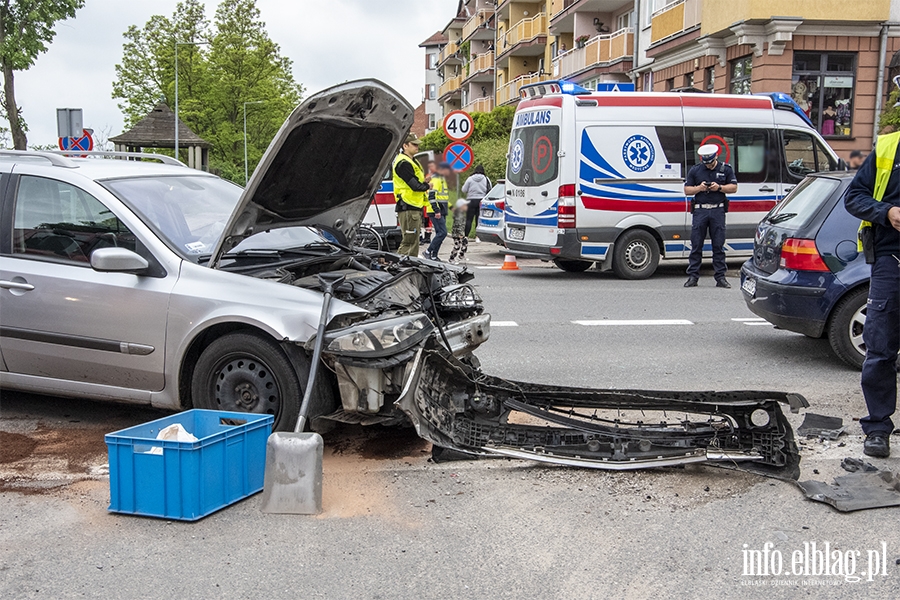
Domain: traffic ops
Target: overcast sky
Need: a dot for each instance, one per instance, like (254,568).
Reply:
(330,41)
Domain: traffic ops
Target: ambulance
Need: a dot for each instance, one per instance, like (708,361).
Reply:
(598,178)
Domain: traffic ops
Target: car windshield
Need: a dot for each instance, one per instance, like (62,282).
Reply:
(802,203)
(190,212)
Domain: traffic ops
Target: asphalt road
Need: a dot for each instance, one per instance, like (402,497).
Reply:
(399,526)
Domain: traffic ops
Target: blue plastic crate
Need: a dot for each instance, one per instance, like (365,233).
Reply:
(189,480)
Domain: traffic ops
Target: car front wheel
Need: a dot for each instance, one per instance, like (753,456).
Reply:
(246,372)
(845,333)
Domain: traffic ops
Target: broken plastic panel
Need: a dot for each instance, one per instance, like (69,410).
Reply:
(458,408)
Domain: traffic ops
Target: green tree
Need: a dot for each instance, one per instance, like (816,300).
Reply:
(221,66)
(891,116)
(26,27)
(489,140)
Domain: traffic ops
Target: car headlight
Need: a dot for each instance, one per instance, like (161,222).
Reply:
(379,338)
(459,297)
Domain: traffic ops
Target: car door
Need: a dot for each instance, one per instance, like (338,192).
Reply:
(60,318)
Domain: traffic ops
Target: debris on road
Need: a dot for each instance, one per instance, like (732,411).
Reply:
(856,491)
(460,408)
(852,465)
(821,426)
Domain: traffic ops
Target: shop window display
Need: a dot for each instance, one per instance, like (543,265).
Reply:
(822,86)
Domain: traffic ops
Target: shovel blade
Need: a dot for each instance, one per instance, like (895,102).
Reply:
(293,478)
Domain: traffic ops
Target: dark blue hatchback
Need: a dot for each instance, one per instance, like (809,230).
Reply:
(806,274)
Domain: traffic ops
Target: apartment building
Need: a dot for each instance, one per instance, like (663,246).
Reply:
(825,53)
(524,47)
(433,111)
(593,40)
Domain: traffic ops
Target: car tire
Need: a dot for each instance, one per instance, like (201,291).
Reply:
(636,255)
(846,328)
(573,266)
(248,372)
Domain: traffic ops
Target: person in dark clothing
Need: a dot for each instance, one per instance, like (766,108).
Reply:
(475,189)
(856,159)
(708,181)
(874,197)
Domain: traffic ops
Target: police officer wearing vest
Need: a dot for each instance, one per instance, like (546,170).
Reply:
(411,195)
(874,197)
(439,197)
(708,182)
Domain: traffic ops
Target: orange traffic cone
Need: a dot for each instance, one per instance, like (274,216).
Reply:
(509,263)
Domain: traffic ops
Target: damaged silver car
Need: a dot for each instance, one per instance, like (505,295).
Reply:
(154,283)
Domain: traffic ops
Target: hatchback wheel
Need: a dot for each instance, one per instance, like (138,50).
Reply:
(245,372)
(845,332)
(635,255)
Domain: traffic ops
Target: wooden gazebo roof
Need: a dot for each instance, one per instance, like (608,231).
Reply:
(157,130)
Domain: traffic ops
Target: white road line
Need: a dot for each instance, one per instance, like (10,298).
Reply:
(491,267)
(504,324)
(610,322)
(758,323)
(747,319)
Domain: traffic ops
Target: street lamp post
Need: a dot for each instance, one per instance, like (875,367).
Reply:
(176,87)
(246,168)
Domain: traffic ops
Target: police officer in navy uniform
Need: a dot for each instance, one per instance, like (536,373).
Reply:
(708,182)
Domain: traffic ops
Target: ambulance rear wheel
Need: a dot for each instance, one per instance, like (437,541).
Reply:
(573,266)
(636,255)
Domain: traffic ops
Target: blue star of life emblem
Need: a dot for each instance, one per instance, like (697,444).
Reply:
(638,153)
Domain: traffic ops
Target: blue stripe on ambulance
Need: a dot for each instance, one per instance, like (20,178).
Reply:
(594,250)
(547,218)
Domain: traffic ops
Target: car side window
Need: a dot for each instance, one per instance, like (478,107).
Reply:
(799,153)
(56,220)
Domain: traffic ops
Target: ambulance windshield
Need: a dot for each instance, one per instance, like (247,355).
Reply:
(533,156)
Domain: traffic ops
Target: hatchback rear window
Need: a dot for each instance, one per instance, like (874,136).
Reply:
(533,156)
(804,202)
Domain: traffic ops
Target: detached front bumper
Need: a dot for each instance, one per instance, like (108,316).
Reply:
(455,407)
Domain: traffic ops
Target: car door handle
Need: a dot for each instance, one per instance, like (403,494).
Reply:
(788,190)
(766,188)
(16,285)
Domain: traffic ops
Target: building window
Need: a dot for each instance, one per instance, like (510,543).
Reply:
(689,80)
(623,21)
(711,79)
(740,75)
(432,61)
(431,92)
(822,85)
(670,84)
(432,122)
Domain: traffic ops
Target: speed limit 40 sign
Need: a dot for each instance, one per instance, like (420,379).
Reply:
(458,125)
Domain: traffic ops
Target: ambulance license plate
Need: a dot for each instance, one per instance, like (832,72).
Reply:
(516,233)
(749,286)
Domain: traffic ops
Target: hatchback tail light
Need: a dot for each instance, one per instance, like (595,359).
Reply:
(565,208)
(802,255)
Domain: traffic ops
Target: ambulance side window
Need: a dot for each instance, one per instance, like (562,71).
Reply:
(696,137)
(672,141)
(799,153)
(751,159)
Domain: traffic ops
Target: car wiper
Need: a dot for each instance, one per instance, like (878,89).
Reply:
(781,217)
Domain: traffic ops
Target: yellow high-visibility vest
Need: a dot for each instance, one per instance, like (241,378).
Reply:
(441,191)
(885,151)
(402,189)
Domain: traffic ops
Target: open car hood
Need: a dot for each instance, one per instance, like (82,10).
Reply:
(324,165)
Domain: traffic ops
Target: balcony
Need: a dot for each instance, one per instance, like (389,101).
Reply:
(527,30)
(599,50)
(560,6)
(673,19)
(478,24)
(482,105)
(448,51)
(449,86)
(481,64)
(510,92)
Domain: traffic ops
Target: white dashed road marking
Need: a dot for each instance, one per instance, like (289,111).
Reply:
(504,324)
(494,267)
(611,322)
(751,321)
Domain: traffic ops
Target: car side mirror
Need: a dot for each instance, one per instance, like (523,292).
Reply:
(117,260)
